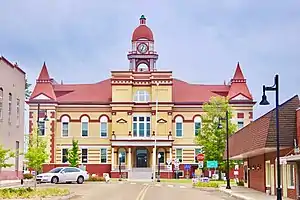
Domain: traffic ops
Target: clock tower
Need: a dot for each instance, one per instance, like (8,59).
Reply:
(142,56)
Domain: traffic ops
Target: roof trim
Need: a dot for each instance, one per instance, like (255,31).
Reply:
(14,66)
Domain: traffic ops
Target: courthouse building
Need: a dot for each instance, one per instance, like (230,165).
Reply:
(119,120)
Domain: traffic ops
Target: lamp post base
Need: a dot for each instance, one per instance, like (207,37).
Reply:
(279,194)
(228,187)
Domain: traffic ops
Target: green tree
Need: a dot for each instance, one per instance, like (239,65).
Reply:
(27,90)
(73,156)
(36,154)
(212,137)
(5,155)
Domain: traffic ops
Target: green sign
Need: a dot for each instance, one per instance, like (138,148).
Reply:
(212,164)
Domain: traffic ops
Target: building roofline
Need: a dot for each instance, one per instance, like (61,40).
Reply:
(14,66)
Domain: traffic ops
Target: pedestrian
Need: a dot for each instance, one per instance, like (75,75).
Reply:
(107,178)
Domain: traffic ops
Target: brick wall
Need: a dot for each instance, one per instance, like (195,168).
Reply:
(298,125)
(257,176)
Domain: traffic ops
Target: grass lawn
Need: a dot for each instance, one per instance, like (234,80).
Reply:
(26,193)
(190,181)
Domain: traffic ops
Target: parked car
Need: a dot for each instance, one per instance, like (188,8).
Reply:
(63,175)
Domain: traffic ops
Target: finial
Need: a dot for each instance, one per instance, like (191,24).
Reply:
(143,20)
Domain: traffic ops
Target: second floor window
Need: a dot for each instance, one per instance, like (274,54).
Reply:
(84,126)
(103,126)
(179,126)
(65,126)
(197,125)
(18,112)
(1,103)
(9,107)
(141,96)
(141,126)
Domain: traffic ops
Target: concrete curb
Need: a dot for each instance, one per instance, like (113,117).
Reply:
(65,197)
(237,196)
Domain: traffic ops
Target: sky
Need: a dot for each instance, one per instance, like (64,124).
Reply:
(200,41)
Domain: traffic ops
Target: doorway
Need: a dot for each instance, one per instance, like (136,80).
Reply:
(141,157)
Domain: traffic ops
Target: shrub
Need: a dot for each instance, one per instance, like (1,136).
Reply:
(10,193)
(207,184)
(27,176)
(240,183)
(96,178)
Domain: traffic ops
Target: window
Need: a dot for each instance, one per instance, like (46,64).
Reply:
(268,173)
(197,151)
(84,126)
(197,125)
(141,96)
(141,126)
(18,112)
(162,157)
(1,104)
(9,107)
(71,170)
(41,128)
(178,126)
(65,126)
(240,124)
(291,175)
(179,154)
(122,153)
(64,155)
(103,126)
(17,158)
(84,155)
(103,158)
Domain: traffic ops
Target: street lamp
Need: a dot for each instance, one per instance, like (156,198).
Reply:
(264,101)
(156,118)
(227,151)
(158,177)
(120,157)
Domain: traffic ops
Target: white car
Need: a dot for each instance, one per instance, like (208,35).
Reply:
(63,175)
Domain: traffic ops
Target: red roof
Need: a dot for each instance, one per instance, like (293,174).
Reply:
(142,31)
(238,73)
(44,75)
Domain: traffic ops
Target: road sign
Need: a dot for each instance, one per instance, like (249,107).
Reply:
(200,164)
(212,164)
(187,167)
(169,162)
(200,157)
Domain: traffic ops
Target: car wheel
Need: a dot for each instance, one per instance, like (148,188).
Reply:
(80,180)
(54,180)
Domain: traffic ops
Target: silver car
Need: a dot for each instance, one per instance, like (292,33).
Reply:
(63,175)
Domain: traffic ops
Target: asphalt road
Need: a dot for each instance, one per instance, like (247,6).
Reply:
(140,191)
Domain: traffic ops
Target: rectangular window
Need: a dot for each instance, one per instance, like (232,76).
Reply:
(268,173)
(240,124)
(197,128)
(162,157)
(84,155)
(103,129)
(17,156)
(41,128)
(9,107)
(179,154)
(134,129)
(65,129)
(84,129)
(291,176)
(64,155)
(1,104)
(18,112)
(197,151)
(178,129)
(103,158)
(141,126)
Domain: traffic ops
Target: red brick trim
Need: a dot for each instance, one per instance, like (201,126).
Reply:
(108,119)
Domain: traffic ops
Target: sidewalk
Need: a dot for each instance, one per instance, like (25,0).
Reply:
(14,183)
(248,193)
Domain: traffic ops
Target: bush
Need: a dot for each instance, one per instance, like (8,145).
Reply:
(240,183)
(207,184)
(12,193)
(27,176)
(96,178)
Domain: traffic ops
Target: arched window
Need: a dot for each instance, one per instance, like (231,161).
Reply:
(65,120)
(142,67)
(179,126)
(1,104)
(197,125)
(9,107)
(103,126)
(122,156)
(141,96)
(84,126)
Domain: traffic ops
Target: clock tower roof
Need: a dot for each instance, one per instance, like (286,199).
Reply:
(142,31)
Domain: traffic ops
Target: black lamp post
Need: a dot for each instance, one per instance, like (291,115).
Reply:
(227,150)
(120,159)
(158,177)
(264,101)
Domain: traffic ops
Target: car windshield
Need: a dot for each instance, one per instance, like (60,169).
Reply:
(56,170)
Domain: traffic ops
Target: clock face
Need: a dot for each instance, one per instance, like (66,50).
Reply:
(142,48)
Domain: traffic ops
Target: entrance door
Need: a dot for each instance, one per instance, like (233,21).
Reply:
(141,158)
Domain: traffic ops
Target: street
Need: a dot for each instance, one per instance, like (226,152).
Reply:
(139,191)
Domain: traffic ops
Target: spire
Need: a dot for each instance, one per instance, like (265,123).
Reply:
(238,75)
(143,20)
(44,75)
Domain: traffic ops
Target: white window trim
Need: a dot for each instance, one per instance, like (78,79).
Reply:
(137,94)
(145,123)
(18,113)
(104,119)
(45,126)
(181,153)
(62,156)
(197,120)
(179,119)
(269,162)
(289,166)
(87,156)
(85,119)
(65,119)
(106,155)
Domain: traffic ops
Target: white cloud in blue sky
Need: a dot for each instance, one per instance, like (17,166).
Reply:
(200,41)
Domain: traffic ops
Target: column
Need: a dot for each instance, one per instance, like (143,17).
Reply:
(112,159)
(171,152)
(129,158)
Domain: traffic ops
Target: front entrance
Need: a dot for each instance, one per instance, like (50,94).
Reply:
(141,157)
